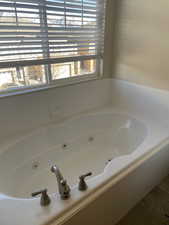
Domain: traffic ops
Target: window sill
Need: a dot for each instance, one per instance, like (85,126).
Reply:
(54,84)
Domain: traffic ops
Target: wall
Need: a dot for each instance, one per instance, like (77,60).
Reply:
(141,42)
(109,35)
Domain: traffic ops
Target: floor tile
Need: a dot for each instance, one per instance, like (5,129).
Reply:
(152,210)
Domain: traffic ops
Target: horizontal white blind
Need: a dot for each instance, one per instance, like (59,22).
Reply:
(40,31)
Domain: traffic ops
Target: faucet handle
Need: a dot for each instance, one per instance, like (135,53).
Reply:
(45,200)
(82,182)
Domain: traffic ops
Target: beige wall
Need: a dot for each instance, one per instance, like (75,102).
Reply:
(141,42)
(109,34)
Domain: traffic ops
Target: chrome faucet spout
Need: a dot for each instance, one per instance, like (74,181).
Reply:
(56,171)
(64,189)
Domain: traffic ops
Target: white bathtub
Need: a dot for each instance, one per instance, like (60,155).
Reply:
(124,144)
(77,146)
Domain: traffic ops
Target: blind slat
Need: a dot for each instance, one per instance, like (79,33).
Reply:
(48,61)
(54,47)
(41,28)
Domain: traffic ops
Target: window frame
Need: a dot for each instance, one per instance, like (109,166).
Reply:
(98,74)
(55,84)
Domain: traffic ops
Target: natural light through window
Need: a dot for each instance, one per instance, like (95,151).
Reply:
(42,41)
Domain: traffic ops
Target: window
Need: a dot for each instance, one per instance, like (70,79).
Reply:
(42,41)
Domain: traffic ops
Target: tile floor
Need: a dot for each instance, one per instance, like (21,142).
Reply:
(153,209)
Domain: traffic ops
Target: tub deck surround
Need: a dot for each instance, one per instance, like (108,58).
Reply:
(24,113)
(129,131)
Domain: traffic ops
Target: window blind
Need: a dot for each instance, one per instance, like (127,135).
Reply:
(36,32)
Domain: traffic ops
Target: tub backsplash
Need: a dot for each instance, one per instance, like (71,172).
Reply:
(29,111)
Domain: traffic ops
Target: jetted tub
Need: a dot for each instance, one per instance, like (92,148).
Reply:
(124,144)
(84,144)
